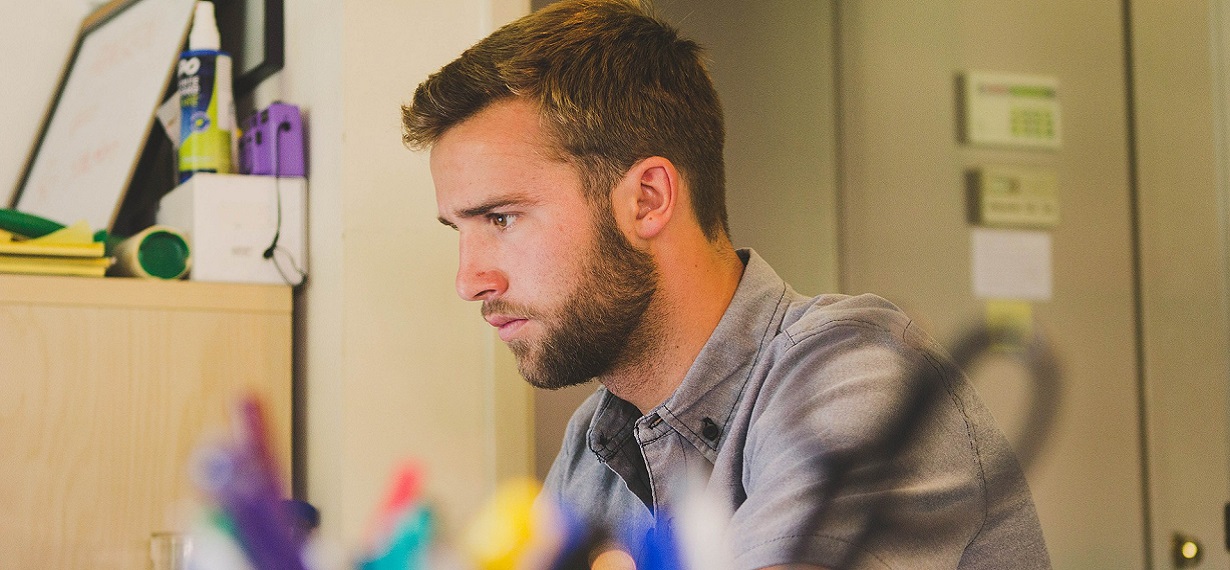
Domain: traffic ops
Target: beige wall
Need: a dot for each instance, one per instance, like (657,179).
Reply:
(383,378)
(905,234)
(772,64)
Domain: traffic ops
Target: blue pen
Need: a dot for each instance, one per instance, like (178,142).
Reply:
(661,549)
(580,539)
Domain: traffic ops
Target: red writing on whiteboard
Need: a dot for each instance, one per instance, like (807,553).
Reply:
(82,118)
(87,160)
(123,49)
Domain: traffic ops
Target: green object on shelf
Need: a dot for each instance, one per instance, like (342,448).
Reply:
(164,255)
(157,252)
(28,225)
(32,226)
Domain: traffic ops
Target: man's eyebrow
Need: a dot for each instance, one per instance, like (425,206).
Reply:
(489,206)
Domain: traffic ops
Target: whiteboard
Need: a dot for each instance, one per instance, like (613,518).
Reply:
(97,128)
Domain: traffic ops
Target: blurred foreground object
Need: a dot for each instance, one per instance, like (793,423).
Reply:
(402,531)
(249,527)
(928,391)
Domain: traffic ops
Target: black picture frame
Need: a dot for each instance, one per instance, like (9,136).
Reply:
(234,25)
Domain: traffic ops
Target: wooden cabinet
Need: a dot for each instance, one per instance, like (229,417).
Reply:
(107,386)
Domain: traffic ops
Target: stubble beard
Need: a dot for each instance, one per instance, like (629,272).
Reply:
(603,324)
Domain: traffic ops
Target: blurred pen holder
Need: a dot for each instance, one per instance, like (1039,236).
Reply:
(169,550)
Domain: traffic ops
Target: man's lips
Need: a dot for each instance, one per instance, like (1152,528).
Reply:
(507,326)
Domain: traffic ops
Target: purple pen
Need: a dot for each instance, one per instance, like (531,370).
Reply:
(243,480)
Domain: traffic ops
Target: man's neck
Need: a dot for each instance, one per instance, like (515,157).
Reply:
(693,295)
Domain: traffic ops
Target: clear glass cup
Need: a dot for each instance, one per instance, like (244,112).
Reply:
(169,550)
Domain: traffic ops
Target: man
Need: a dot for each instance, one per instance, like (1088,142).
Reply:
(578,153)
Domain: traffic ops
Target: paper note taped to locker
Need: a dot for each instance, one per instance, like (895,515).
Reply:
(1011,264)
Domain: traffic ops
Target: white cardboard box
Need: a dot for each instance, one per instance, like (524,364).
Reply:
(230,221)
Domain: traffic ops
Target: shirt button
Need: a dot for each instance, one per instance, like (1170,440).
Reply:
(710,430)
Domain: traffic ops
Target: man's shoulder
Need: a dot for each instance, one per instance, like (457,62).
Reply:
(833,321)
(835,382)
(807,313)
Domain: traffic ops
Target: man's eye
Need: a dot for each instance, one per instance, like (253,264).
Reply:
(502,221)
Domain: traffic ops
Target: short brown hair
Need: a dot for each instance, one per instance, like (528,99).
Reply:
(615,85)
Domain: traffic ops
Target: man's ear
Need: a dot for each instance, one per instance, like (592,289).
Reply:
(649,194)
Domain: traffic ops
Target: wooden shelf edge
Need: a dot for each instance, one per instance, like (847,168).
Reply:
(143,293)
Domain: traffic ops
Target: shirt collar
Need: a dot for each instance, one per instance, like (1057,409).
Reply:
(703,405)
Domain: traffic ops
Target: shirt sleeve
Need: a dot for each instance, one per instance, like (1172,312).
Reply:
(820,486)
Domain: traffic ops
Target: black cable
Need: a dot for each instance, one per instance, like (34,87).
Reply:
(277,186)
(273,248)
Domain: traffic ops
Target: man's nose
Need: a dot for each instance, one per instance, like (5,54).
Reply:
(478,278)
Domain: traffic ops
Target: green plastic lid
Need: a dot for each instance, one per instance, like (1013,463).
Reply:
(163,254)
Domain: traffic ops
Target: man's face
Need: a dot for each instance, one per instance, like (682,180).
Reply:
(564,287)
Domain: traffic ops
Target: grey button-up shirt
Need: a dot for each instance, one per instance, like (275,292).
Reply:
(785,386)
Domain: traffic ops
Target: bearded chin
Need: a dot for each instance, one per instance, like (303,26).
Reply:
(602,324)
(598,334)
(544,368)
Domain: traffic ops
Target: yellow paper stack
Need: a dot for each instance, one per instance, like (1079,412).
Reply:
(68,251)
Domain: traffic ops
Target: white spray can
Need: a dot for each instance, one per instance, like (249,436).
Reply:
(207,106)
